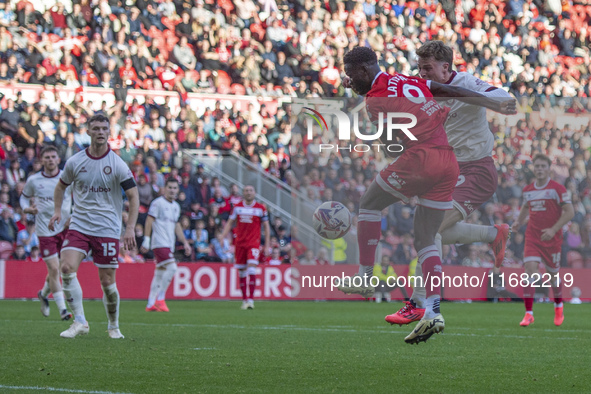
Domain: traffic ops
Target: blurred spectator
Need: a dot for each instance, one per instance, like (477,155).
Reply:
(34,256)
(221,248)
(8,229)
(27,237)
(19,253)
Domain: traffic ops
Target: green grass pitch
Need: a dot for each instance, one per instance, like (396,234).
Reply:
(295,347)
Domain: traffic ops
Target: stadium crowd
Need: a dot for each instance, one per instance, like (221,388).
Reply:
(537,50)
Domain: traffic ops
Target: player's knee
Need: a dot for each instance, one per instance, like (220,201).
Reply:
(53,270)
(107,281)
(421,242)
(66,269)
(242,273)
(368,202)
(251,270)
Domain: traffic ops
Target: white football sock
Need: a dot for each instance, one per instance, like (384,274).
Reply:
(463,233)
(155,286)
(366,270)
(73,293)
(419,292)
(111,302)
(432,306)
(58,297)
(166,279)
(45,290)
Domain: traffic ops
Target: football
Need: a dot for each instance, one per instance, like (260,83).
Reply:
(332,220)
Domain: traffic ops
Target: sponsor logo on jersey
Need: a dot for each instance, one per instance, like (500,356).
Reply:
(99,189)
(95,189)
(83,169)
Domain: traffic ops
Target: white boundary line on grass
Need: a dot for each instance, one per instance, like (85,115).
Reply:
(57,389)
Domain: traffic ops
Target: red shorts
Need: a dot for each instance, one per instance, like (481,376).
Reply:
(105,251)
(246,255)
(163,256)
(547,254)
(51,246)
(431,173)
(476,185)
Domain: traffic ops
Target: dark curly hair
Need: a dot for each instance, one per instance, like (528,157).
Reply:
(360,55)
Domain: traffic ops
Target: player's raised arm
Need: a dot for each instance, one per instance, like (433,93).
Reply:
(134,205)
(491,100)
(58,199)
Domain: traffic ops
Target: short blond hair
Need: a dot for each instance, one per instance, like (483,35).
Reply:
(438,51)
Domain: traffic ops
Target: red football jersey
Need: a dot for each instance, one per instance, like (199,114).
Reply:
(401,93)
(545,208)
(249,218)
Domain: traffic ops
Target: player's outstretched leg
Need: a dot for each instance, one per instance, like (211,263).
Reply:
(154,289)
(242,274)
(427,219)
(166,280)
(463,233)
(252,284)
(407,314)
(368,236)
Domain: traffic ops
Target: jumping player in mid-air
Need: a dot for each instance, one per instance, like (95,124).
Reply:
(469,134)
(427,168)
(40,187)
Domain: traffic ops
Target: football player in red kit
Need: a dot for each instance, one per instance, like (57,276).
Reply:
(549,208)
(427,168)
(248,215)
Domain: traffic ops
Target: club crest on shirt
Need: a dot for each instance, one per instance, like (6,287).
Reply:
(107,170)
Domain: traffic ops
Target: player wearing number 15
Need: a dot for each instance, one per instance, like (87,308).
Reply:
(248,215)
(97,176)
(549,207)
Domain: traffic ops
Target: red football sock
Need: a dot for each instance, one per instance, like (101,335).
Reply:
(243,287)
(557,291)
(528,297)
(431,263)
(369,230)
(252,284)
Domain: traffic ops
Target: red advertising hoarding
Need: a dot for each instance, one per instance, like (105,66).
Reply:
(195,281)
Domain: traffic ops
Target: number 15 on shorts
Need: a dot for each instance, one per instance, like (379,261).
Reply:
(109,249)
